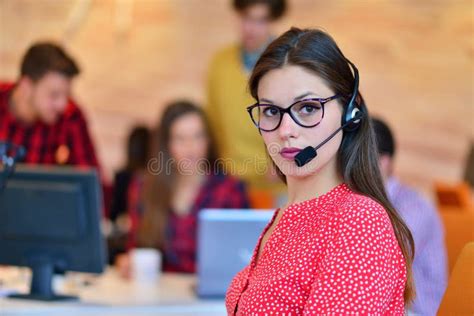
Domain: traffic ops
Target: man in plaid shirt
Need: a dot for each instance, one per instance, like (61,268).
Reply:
(37,112)
(422,218)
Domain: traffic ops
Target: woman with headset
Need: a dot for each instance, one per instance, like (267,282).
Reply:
(338,246)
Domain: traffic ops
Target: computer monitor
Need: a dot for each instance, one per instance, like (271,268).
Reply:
(50,221)
(226,241)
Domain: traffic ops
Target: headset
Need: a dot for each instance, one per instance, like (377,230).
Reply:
(350,122)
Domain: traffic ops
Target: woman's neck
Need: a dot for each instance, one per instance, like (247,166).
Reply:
(303,189)
(187,188)
(190,180)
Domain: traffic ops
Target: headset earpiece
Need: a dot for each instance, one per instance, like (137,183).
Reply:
(352,114)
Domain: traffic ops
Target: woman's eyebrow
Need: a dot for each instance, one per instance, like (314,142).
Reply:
(266,101)
(304,95)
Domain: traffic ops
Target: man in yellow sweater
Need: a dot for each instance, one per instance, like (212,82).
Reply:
(240,146)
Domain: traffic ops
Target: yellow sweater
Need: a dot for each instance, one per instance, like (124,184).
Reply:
(238,140)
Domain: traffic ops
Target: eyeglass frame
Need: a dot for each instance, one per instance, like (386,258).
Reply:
(282,111)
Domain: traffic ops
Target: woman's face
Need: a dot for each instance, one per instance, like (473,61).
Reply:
(188,143)
(283,87)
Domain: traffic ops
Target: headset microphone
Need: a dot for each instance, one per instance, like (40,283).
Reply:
(309,153)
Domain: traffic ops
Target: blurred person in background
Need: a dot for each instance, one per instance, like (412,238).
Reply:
(183,178)
(228,93)
(37,110)
(138,153)
(430,263)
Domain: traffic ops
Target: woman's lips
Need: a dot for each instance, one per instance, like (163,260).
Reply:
(289,153)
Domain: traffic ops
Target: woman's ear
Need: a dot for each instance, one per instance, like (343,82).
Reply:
(359,100)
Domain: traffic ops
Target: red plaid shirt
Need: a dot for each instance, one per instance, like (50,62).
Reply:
(179,255)
(65,142)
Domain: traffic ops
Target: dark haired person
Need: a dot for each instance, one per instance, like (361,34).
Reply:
(135,169)
(183,178)
(38,113)
(430,263)
(338,247)
(138,153)
(228,94)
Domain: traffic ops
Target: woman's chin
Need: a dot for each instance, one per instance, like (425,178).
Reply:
(290,169)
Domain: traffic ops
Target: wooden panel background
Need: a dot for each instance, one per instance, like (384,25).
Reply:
(415,60)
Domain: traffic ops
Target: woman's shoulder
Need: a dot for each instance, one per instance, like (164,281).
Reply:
(226,191)
(363,223)
(357,208)
(220,178)
(225,184)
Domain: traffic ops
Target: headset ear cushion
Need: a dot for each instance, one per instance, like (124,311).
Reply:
(352,112)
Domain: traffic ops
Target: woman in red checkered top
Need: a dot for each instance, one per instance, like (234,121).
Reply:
(183,177)
(338,247)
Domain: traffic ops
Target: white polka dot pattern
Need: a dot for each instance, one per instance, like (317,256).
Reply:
(333,255)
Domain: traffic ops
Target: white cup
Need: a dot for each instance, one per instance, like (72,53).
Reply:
(145,265)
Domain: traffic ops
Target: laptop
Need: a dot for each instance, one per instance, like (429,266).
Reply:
(226,241)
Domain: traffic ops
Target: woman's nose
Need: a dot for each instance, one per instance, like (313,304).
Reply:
(288,127)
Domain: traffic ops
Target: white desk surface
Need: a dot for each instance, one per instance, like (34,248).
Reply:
(110,295)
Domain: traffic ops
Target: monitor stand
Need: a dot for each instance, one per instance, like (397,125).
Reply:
(41,283)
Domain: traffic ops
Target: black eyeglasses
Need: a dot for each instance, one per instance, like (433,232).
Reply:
(306,113)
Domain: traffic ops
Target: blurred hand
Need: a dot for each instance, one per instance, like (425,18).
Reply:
(123,266)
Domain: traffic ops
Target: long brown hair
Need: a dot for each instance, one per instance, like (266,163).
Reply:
(138,148)
(158,187)
(357,156)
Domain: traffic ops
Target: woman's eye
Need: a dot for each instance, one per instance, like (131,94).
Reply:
(270,111)
(309,109)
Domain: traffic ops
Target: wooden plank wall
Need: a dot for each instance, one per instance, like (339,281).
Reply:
(415,60)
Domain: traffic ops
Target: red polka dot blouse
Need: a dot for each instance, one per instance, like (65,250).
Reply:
(334,254)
